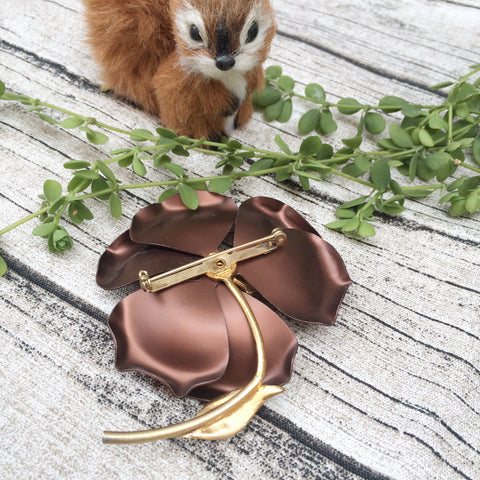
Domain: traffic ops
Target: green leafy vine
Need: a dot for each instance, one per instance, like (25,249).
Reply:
(428,143)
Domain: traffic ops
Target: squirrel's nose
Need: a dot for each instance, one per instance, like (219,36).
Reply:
(225,62)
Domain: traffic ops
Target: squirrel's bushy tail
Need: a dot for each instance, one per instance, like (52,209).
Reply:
(129,40)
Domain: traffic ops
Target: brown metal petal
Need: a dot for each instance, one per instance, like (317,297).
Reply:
(177,336)
(258,216)
(280,345)
(305,278)
(172,224)
(123,259)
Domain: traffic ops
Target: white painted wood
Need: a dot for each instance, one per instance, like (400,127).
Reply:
(392,390)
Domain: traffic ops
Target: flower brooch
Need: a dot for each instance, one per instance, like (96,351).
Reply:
(201,324)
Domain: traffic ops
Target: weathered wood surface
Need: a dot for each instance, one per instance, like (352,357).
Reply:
(392,390)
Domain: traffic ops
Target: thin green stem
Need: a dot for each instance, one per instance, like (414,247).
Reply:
(23,220)
(470,167)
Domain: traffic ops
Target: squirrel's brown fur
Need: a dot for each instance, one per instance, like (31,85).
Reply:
(173,57)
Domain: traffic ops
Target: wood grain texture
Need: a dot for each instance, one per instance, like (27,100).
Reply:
(391,391)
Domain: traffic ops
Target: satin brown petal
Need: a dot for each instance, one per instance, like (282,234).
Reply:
(258,216)
(306,278)
(177,336)
(171,224)
(280,345)
(123,259)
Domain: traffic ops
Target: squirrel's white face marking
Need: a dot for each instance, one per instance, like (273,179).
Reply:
(247,56)
(184,20)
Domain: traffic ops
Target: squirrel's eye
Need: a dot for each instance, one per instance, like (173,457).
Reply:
(252,32)
(195,33)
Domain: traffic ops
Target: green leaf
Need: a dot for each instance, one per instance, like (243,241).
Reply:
(72,122)
(309,121)
(266,97)
(457,208)
(273,72)
(279,141)
(47,119)
(180,151)
(436,122)
(175,169)
(411,110)
(392,208)
(348,106)
(115,205)
(139,167)
(86,174)
(75,164)
(74,214)
(462,110)
(85,212)
(220,185)
(337,224)
(352,170)
(286,83)
(325,152)
(105,169)
(390,104)
(476,150)
(141,135)
(189,196)
(326,123)
(272,112)
(362,163)
(198,184)
(418,193)
(100,185)
(400,137)
(52,190)
(351,225)
(396,188)
(304,181)
(127,161)
(44,230)
(167,194)
(366,229)
(380,174)
(233,145)
(354,142)
(315,93)
(441,85)
(166,133)
(354,203)
(2,91)
(3,263)
(262,164)
(446,198)
(310,146)
(472,202)
(160,159)
(437,160)
(78,184)
(425,138)
(374,123)
(97,138)
(342,213)
(457,184)
(282,176)
(286,112)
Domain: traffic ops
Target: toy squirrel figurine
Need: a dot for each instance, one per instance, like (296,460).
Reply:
(193,62)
